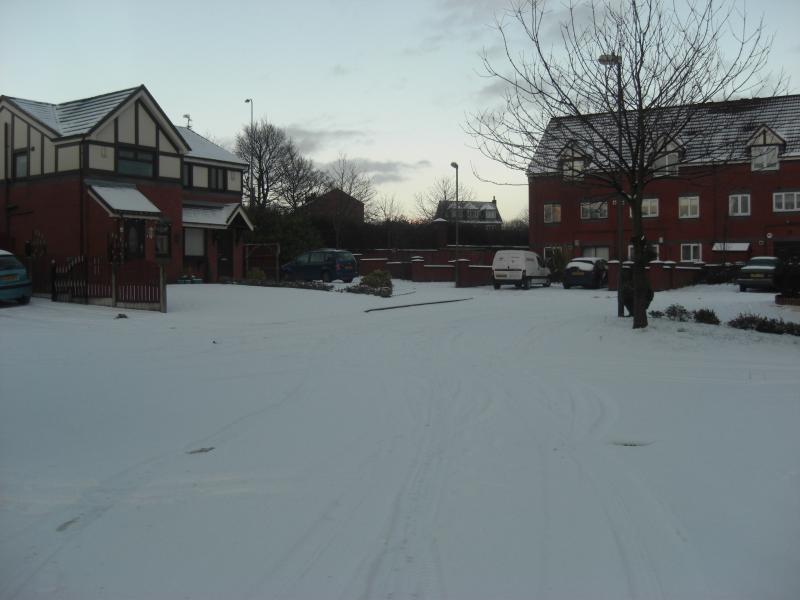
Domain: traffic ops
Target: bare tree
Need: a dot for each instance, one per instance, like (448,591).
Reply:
(297,179)
(521,222)
(265,145)
(563,110)
(347,175)
(441,190)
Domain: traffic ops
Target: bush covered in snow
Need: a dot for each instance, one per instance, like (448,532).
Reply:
(764,324)
(377,279)
(706,315)
(677,312)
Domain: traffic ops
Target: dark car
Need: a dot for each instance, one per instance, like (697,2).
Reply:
(325,264)
(758,273)
(15,285)
(586,271)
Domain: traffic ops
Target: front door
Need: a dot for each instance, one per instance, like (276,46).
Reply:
(225,254)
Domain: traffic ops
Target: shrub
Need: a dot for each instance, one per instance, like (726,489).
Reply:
(657,314)
(377,279)
(764,325)
(256,274)
(706,315)
(787,277)
(677,312)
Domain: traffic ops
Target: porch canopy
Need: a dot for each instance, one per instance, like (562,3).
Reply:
(731,246)
(122,200)
(210,215)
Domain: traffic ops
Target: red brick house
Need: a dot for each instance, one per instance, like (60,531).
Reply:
(112,175)
(335,205)
(695,211)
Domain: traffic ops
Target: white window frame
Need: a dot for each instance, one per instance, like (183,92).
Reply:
(666,165)
(681,199)
(783,198)
(549,252)
(572,168)
(552,218)
(735,202)
(691,247)
(764,158)
(648,213)
(594,206)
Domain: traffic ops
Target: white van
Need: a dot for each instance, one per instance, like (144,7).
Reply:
(519,267)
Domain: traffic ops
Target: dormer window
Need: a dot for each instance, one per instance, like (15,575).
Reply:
(666,165)
(764,158)
(572,168)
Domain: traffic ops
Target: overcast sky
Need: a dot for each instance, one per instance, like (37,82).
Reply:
(391,83)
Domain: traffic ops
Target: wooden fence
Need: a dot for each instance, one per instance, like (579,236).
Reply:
(95,280)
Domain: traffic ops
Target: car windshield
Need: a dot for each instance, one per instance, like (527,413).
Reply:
(762,262)
(8,263)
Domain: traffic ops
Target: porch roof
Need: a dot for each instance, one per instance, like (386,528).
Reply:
(208,215)
(122,199)
(731,246)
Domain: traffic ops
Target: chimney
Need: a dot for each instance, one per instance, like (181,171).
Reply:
(494,200)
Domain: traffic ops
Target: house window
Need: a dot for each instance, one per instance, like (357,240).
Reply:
(739,205)
(186,176)
(594,210)
(216,178)
(666,165)
(131,161)
(134,238)
(572,168)
(194,242)
(654,248)
(649,208)
(596,251)
(552,213)
(785,201)
(688,207)
(691,252)
(764,158)
(163,247)
(20,164)
(490,215)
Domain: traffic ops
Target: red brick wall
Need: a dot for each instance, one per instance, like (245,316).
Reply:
(713,225)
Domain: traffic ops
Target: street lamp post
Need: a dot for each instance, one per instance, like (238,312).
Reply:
(455,166)
(250,149)
(615,60)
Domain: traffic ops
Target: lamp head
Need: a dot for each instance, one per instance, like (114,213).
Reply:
(608,60)
(248,100)
(454,165)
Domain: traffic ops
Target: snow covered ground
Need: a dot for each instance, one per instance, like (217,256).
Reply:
(520,444)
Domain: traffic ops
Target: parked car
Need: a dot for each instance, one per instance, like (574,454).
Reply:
(15,285)
(759,272)
(519,267)
(586,271)
(325,264)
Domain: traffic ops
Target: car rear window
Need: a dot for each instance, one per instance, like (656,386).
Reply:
(346,256)
(9,262)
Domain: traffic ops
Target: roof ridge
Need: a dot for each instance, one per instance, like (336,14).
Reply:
(125,90)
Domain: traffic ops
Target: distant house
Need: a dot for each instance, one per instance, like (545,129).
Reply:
(335,205)
(484,214)
(112,174)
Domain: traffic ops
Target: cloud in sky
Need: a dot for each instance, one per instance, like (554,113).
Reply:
(386,171)
(310,140)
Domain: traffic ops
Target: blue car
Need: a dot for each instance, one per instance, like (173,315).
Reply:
(326,264)
(15,285)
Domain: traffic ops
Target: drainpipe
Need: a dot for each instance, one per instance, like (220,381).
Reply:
(81,208)
(7,179)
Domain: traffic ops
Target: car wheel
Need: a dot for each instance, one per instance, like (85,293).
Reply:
(742,288)
(24,299)
(348,280)
(526,283)
(547,283)
(326,277)
(566,285)
(496,286)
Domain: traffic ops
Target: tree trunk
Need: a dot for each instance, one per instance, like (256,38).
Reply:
(641,288)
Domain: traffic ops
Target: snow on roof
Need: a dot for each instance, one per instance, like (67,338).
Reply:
(731,246)
(723,127)
(77,116)
(121,198)
(213,216)
(206,149)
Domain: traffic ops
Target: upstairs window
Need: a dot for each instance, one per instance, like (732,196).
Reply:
(649,208)
(739,205)
(186,175)
(764,158)
(689,207)
(786,201)
(666,165)
(139,163)
(594,210)
(216,178)
(20,164)
(572,168)
(552,213)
